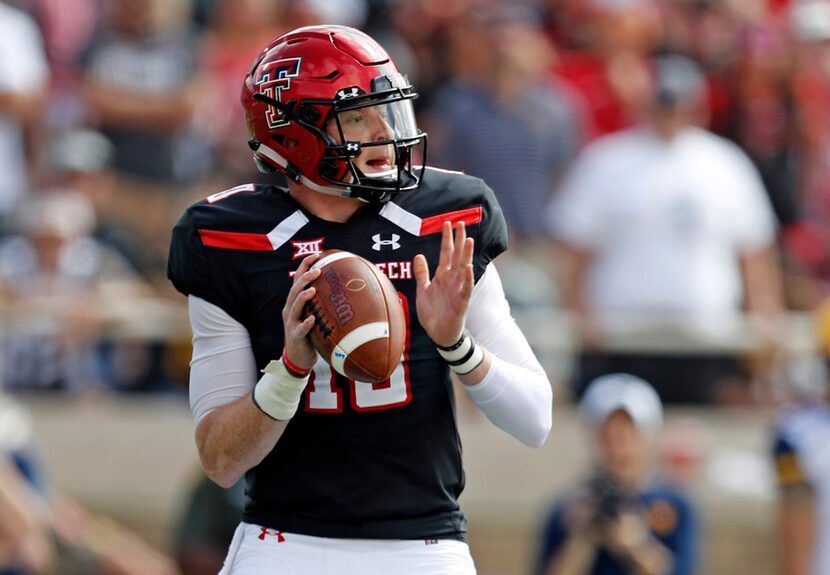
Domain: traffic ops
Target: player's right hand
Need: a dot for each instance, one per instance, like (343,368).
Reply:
(297,325)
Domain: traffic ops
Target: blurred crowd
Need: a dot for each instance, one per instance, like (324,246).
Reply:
(115,114)
(663,166)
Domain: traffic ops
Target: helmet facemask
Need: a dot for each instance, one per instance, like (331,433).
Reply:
(369,137)
(378,132)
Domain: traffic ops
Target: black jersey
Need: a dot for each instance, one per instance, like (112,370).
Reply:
(357,460)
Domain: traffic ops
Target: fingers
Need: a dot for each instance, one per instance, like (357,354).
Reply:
(303,276)
(467,275)
(447,246)
(467,253)
(461,254)
(455,256)
(307,262)
(419,265)
(295,312)
(305,326)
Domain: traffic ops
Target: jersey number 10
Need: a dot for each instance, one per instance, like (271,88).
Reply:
(323,395)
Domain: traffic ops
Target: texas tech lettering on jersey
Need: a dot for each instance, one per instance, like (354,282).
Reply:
(354,451)
(396,270)
(392,270)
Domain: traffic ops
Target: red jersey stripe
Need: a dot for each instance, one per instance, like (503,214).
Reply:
(432,224)
(235,240)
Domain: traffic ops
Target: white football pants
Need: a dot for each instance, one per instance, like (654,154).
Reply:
(256,550)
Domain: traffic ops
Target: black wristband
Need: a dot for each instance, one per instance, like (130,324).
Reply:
(456,345)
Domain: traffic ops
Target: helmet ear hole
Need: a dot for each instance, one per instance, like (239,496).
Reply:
(328,169)
(308,114)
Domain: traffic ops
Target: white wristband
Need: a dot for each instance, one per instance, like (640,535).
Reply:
(458,350)
(278,392)
(475,359)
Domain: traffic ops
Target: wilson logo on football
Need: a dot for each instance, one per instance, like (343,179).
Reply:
(338,298)
(380,242)
(303,249)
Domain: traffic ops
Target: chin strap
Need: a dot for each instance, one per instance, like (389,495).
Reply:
(294,174)
(271,154)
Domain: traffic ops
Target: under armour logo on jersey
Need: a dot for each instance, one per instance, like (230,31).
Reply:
(303,249)
(379,242)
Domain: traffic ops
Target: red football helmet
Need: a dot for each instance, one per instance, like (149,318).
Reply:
(305,93)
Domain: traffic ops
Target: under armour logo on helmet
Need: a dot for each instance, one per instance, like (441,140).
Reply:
(393,243)
(352,146)
(352,92)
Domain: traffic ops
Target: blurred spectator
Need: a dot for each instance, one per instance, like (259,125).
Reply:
(67,26)
(60,287)
(26,545)
(810,243)
(667,235)
(80,160)
(802,462)
(93,544)
(42,531)
(622,518)
(764,122)
(416,32)
(140,86)
(603,47)
(236,32)
(206,526)
(502,118)
(312,12)
(140,89)
(22,90)
(709,32)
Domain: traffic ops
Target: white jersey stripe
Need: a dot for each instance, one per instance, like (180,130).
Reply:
(286,229)
(213,198)
(400,217)
(442,170)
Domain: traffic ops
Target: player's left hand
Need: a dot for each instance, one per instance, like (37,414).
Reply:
(442,302)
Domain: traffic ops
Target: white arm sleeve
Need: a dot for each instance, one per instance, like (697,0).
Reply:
(515,394)
(223,368)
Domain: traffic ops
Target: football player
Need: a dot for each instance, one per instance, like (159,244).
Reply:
(345,476)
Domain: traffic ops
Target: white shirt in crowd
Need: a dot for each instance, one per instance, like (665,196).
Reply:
(23,69)
(665,222)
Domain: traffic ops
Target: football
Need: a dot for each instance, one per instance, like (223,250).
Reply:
(359,327)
